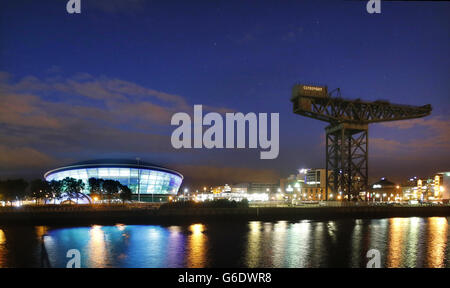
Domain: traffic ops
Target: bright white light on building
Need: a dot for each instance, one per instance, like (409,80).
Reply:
(257,197)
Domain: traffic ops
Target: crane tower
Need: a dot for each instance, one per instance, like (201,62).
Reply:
(347,139)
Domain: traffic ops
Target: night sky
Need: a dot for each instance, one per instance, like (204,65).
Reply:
(105,83)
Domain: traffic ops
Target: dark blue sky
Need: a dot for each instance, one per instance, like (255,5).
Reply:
(104,83)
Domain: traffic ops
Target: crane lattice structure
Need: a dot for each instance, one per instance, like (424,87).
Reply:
(347,139)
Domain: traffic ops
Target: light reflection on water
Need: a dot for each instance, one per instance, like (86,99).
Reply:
(438,240)
(2,248)
(196,246)
(402,242)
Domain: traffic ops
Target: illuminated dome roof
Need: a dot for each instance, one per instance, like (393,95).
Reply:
(140,176)
(113,163)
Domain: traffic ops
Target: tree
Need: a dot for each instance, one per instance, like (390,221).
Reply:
(56,189)
(40,189)
(96,187)
(2,191)
(14,189)
(111,188)
(72,187)
(125,193)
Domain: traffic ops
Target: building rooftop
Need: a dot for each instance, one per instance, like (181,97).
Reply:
(383,182)
(113,162)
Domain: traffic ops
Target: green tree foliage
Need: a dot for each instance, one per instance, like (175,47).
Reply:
(12,190)
(96,187)
(72,187)
(111,188)
(56,189)
(125,193)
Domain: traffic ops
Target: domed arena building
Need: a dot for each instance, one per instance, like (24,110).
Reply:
(148,182)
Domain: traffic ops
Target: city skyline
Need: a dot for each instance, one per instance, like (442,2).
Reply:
(105,83)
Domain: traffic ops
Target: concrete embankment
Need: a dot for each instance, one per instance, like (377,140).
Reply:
(77,215)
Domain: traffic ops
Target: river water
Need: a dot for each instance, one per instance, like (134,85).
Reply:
(401,242)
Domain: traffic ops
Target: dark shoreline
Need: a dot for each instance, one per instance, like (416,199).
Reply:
(126,215)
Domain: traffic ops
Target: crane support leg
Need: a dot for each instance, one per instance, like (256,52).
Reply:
(346,160)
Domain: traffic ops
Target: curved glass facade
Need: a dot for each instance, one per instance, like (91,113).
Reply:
(150,181)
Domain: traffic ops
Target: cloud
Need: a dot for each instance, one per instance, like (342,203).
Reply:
(14,157)
(88,86)
(64,119)
(422,143)
(436,134)
(25,110)
(43,120)
(434,123)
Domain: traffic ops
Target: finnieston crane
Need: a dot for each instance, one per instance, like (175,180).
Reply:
(347,133)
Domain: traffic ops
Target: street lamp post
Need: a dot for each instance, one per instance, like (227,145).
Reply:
(139,180)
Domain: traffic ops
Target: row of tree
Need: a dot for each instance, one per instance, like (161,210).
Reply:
(109,189)
(41,190)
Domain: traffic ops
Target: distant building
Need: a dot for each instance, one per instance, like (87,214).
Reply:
(292,183)
(385,190)
(307,185)
(444,185)
(149,181)
(239,188)
(250,191)
(428,189)
(411,190)
(253,187)
(221,189)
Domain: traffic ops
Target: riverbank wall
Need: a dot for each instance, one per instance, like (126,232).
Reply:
(78,215)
